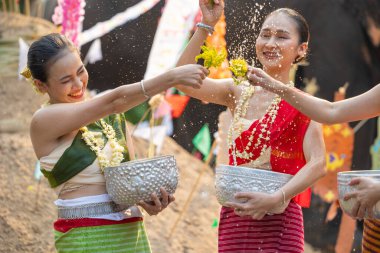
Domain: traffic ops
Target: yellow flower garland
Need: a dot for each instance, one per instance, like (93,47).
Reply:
(96,144)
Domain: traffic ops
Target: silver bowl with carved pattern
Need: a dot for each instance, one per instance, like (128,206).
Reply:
(136,180)
(233,179)
(344,178)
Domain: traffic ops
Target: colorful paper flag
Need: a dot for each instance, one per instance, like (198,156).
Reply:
(215,223)
(102,28)
(173,30)
(168,123)
(202,141)
(23,56)
(94,54)
(178,104)
(163,109)
(37,171)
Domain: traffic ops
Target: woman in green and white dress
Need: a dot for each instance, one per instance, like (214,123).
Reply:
(75,139)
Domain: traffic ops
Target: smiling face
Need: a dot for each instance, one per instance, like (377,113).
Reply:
(278,44)
(67,78)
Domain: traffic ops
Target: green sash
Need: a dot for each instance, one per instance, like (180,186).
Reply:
(79,155)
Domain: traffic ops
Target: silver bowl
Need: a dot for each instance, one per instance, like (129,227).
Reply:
(233,179)
(344,179)
(136,180)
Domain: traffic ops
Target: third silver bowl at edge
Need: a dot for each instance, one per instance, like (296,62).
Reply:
(136,180)
(344,179)
(233,179)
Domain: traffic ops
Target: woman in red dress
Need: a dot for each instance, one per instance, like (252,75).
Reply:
(267,133)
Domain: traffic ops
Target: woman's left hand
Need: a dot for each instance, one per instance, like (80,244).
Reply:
(157,205)
(257,204)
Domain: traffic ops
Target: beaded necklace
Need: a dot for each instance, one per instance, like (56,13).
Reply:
(95,142)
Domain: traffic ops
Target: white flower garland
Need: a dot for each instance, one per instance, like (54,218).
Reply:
(95,142)
(241,110)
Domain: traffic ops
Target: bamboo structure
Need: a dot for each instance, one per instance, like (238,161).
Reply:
(11,6)
(4,4)
(16,6)
(40,9)
(27,7)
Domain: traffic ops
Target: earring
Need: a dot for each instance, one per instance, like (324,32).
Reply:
(298,59)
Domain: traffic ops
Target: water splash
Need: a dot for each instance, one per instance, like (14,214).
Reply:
(243,42)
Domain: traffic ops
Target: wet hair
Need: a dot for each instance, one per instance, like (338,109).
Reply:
(302,26)
(44,52)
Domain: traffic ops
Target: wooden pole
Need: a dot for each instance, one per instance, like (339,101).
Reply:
(41,9)
(27,7)
(4,3)
(11,7)
(151,144)
(188,200)
(17,9)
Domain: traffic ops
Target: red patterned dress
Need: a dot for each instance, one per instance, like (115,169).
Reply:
(282,233)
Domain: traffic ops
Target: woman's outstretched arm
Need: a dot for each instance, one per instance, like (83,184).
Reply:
(366,105)
(52,122)
(214,91)
(211,14)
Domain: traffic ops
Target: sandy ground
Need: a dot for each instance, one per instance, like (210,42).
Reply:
(26,206)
